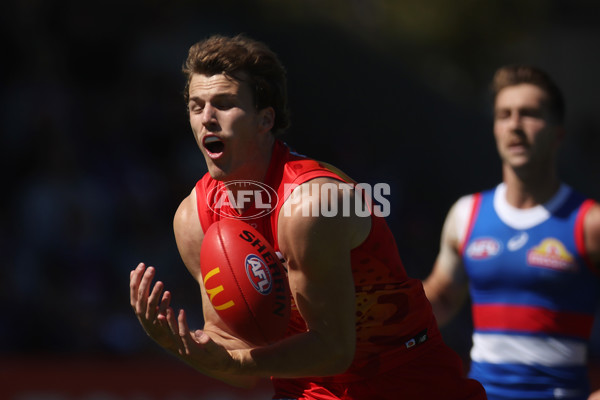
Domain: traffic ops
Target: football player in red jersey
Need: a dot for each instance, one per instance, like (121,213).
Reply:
(360,327)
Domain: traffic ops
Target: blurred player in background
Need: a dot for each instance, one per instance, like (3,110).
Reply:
(528,251)
(361,328)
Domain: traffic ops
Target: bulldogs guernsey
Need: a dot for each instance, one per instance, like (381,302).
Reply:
(534,295)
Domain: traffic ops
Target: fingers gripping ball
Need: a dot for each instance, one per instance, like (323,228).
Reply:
(245,281)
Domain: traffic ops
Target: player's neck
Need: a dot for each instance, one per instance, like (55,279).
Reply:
(248,178)
(530,190)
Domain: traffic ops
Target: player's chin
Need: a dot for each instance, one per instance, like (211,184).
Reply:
(517,160)
(216,172)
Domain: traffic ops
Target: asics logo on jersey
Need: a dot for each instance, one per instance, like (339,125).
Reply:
(518,241)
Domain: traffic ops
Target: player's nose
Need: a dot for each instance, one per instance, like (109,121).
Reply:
(209,115)
(515,121)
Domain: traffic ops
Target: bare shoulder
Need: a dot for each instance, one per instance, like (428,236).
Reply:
(457,220)
(592,233)
(188,233)
(447,285)
(448,267)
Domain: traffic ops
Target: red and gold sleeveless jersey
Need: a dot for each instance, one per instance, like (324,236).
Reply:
(394,320)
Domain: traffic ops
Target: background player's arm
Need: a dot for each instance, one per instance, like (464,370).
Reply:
(592,244)
(447,285)
(592,234)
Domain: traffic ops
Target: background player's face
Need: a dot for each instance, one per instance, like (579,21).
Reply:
(523,126)
(227,127)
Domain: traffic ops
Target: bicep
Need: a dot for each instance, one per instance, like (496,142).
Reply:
(447,285)
(317,250)
(592,234)
(320,274)
(448,278)
(321,282)
(189,234)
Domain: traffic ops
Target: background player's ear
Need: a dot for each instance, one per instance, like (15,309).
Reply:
(266,118)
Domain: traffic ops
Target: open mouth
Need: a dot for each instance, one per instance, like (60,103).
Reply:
(213,145)
(517,145)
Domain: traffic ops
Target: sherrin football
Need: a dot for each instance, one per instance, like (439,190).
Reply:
(245,281)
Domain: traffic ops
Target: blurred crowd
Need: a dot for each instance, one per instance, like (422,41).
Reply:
(97,153)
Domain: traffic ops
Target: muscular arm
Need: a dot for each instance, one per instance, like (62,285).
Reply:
(317,250)
(447,285)
(591,229)
(592,234)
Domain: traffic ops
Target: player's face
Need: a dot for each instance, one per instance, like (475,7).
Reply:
(523,126)
(230,132)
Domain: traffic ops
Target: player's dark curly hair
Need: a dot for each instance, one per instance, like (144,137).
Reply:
(512,75)
(233,56)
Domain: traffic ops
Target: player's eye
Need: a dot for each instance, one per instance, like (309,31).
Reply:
(532,112)
(501,114)
(195,107)
(224,105)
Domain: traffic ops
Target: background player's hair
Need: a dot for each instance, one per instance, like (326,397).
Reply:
(236,55)
(512,75)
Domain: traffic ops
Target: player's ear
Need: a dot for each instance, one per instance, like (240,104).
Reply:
(266,119)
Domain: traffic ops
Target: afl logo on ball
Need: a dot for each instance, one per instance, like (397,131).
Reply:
(259,274)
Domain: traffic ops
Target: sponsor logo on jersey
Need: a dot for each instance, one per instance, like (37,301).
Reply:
(420,338)
(259,274)
(551,253)
(483,248)
(517,241)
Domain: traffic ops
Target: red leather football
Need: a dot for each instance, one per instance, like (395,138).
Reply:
(245,281)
